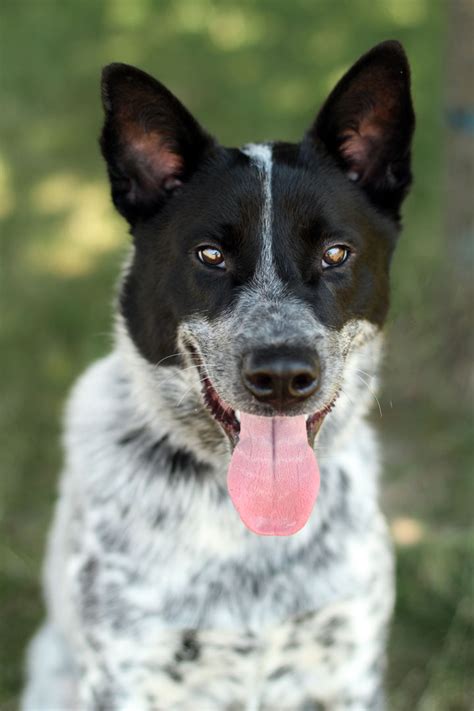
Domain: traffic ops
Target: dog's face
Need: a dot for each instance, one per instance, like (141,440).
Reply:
(262,267)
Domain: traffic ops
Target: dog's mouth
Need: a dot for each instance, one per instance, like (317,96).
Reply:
(273,476)
(230,420)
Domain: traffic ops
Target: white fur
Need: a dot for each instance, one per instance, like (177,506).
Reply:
(261,155)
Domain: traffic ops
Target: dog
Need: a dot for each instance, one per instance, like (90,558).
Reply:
(217,542)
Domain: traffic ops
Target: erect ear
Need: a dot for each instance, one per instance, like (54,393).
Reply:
(150,142)
(367,124)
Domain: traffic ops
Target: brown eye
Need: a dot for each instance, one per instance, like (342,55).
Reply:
(211,256)
(335,256)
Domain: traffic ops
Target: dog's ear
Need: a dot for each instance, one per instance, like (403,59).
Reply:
(367,124)
(150,142)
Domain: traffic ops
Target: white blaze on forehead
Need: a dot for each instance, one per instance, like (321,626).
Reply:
(260,155)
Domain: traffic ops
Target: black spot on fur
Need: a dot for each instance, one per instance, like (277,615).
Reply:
(256,586)
(158,518)
(131,436)
(105,699)
(312,705)
(88,573)
(92,641)
(344,480)
(173,607)
(151,451)
(335,623)
(190,648)
(111,539)
(221,494)
(244,650)
(305,617)
(177,462)
(181,460)
(328,633)
(325,639)
(88,594)
(279,672)
(173,673)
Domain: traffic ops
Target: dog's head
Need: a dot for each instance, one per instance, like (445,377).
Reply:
(258,271)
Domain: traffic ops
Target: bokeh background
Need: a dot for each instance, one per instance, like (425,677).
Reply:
(249,70)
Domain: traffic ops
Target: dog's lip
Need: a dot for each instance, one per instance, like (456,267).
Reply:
(221,412)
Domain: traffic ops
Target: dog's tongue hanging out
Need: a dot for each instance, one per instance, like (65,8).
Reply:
(273,477)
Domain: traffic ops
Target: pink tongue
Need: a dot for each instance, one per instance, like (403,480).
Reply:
(273,477)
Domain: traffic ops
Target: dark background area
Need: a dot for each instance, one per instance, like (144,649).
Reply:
(248,70)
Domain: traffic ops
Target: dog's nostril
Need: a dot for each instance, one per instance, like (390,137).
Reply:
(262,381)
(302,382)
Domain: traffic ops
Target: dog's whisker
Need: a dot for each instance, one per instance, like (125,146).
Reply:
(173,355)
(329,288)
(191,356)
(365,372)
(347,396)
(186,393)
(196,367)
(189,390)
(172,381)
(371,392)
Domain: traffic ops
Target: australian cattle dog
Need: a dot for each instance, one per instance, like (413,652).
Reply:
(218,543)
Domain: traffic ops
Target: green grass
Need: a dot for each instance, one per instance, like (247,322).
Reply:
(249,70)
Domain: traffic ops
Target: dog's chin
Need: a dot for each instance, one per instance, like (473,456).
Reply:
(229,419)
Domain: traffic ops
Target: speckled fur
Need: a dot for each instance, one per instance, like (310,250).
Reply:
(158,597)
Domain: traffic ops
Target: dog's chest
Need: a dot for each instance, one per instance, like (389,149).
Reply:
(191,564)
(213,582)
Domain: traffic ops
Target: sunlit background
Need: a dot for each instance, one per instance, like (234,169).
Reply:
(249,70)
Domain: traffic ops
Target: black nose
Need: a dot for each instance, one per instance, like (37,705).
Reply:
(281,378)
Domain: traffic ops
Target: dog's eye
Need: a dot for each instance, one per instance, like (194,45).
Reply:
(211,256)
(335,256)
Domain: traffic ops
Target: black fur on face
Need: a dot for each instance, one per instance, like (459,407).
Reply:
(179,190)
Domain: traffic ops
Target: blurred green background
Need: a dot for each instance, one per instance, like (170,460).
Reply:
(248,70)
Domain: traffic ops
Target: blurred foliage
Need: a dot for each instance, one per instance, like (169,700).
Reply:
(253,69)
